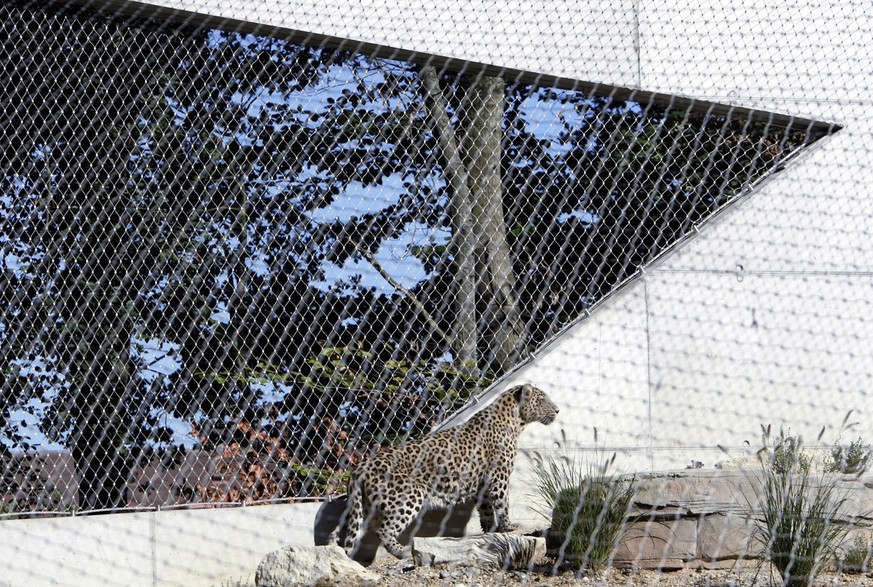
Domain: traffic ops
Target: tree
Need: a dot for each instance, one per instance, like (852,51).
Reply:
(115,194)
(77,302)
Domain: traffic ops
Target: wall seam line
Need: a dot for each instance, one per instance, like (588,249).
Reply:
(638,42)
(153,542)
(650,450)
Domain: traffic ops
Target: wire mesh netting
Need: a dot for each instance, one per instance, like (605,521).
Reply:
(235,266)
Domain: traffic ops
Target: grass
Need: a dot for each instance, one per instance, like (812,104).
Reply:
(853,459)
(798,522)
(857,559)
(587,505)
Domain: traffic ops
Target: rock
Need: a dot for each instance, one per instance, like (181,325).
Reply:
(659,545)
(726,537)
(694,492)
(311,565)
(492,550)
(433,522)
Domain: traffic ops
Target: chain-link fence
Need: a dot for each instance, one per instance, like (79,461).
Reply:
(286,255)
(236,265)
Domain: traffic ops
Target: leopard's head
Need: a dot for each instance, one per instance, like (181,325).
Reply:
(534,405)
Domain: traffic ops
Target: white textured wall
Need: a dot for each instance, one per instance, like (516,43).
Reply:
(593,41)
(191,548)
(766,316)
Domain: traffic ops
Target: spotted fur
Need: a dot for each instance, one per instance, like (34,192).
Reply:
(469,462)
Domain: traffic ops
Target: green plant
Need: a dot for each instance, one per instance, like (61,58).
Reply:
(857,557)
(854,459)
(8,508)
(785,453)
(798,523)
(588,507)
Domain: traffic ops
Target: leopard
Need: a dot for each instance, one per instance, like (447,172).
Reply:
(471,461)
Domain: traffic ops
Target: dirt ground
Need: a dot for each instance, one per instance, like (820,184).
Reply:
(403,574)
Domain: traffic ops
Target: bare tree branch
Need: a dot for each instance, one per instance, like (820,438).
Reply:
(399,287)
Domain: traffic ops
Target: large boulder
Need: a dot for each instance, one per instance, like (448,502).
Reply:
(492,550)
(304,566)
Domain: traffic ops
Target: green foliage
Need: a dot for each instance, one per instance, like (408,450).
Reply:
(798,523)
(857,557)
(323,481)
(854,459)
(53,502)
(388,386)
(8,509)
(369,398)
(785,453)
(587,504)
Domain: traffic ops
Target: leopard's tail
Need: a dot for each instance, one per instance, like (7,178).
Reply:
(351,526)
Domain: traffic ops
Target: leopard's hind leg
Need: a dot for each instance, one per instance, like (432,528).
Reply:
(397,513)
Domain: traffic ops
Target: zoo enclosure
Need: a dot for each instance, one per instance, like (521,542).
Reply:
(234,264)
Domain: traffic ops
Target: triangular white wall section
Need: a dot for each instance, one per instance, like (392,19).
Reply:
(766,316)
(594,41)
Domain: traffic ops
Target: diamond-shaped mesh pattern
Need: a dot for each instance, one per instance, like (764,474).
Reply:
(233,265)
(245,265)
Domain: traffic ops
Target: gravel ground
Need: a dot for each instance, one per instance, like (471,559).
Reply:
(403,574)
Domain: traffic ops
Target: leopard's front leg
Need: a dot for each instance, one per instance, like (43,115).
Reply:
(493,507)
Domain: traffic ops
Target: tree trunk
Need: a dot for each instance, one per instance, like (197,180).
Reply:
(483,267)
(482,120)
(464,333)
(103,377)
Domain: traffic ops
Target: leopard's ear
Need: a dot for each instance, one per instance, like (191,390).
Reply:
(521,391)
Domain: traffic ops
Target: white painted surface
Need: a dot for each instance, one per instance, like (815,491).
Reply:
(743,50)
(194,548)
(98,550)
(766,317)
(582,40)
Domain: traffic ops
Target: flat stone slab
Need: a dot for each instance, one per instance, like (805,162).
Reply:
(697,492)
(722,537)
(664,545)
(491,550)
(706,519)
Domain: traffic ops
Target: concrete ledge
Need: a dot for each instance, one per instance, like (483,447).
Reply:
(88,550)
(191,548)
